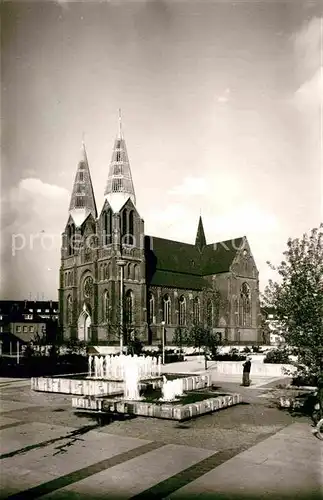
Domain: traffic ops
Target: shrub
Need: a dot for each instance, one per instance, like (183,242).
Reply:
(277,356)
(173,358)
(256,348)
(309,381)
(246,349)
(135,346)
(229,357)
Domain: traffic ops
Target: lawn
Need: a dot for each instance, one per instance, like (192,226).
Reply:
(154,396)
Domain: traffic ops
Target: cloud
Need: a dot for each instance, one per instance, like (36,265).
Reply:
(310,94)
(307,45)
(308,57)
(225,97)
(249,216)
(38,187)
(28,208)
(32,202)
(191,186)
(63,3)
(172,214)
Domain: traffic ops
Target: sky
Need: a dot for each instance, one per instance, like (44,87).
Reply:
(222,116)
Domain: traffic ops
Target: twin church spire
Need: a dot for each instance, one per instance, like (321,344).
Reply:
(82,200)
(118,190)
(119,186)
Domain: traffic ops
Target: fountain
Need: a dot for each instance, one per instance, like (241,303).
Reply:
(171,389)
(114,367)
(131,370)
(131,380)
(112,384)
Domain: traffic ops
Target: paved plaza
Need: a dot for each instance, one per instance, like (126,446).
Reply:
(252,450)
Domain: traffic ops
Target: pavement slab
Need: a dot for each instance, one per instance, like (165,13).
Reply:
(288,463)
(68,451)
(6,406)
(49,451)
(29,435)
(136,475)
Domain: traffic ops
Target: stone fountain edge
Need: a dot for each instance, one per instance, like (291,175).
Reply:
(152,410)
(100,387)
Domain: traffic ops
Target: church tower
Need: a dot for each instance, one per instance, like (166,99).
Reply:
(82,200)
(77,282)
(121,260)
(119,187)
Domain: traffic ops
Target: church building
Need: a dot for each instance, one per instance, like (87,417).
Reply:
(114,278)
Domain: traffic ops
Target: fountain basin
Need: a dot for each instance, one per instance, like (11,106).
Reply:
(78,386)
(82,385)
(176,410)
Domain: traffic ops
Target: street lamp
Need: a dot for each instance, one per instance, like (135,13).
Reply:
(163,342)
(237,327)
(121,263)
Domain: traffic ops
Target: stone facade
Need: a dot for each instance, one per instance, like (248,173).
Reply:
(165,284)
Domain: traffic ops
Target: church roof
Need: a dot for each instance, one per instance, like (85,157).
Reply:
(217,257)
(200,241)
(177,280)
(82,200)
(182,265)
(175,255)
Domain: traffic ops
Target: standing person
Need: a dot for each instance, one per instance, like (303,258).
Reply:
(246,372)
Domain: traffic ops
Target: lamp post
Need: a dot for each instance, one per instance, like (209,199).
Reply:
(121,263)
(163,342)
(237,339)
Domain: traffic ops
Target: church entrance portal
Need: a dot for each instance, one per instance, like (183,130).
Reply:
(84,325)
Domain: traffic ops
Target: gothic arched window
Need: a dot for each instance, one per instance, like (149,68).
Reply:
(69,310)
(182,311)
(129,307)
(135,272)
(151,301)
(107,227)
(131,223)
(166,309)
(127,271)
(124,223)
(196,311)
(105,307)
(210,313)
(244,305)
(70,239)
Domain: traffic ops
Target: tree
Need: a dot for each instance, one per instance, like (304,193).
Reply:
(200,337)
(180,337)
(130,331)
(298,303)
(265,329)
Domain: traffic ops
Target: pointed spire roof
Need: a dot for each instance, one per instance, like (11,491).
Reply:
(200,241)
(119,185)
(82,199)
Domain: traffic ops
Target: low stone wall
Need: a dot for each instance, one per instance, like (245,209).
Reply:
(86,387)
(257,368)
(166,411)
